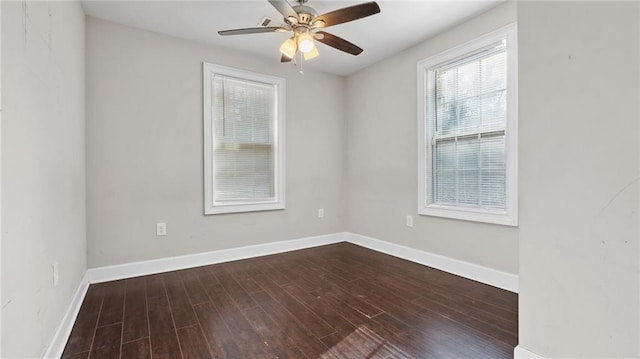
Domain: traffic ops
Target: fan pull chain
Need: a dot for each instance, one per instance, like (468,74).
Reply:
(301,65)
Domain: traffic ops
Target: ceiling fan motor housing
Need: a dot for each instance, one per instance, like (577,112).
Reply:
(305,13)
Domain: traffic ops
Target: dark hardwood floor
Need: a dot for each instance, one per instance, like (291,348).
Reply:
(336,301)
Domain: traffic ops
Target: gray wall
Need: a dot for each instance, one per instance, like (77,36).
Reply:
(144,149)
(43,169)
(579,178)
(382,158)
(576,249)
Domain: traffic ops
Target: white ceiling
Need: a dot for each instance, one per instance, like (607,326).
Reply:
(399,25)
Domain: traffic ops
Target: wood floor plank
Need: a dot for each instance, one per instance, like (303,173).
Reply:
(106,343)
(193,286)
(240,297)
(84,328)
(179,302)
(83,355)
(486,324)
(334,301)
(274,275)
(341,292)
(238,271)
(221,341)
(315,325)
(326,262)
(400,340)
(272,334)
(453,283)
(135,325)
(205,275)
(164,341)
(291,270)
(346,341)
(246,338)
(299,334)
(193,343)
(108,336)
(139,349)
(458,301)
(113,303)
(440,331)
(155,285)
(105,353)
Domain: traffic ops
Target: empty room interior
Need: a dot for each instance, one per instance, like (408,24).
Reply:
(320,179)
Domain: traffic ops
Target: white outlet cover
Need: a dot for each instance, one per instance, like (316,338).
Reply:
(56,274)
(161,229)
(409,221)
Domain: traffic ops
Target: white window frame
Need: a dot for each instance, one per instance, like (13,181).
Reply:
(210,205)
(426,88)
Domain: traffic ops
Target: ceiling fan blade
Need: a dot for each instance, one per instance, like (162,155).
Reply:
(284,8)
(339,43)
(251,30)
(346,14)
(285,58)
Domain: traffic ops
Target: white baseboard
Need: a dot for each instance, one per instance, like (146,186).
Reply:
(56,347)
(135,269)
(522,353)
(468,270)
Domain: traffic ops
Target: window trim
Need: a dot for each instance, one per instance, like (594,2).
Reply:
(425,70)
(210,207)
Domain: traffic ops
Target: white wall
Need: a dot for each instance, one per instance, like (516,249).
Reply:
(382,157)
(144,149)
(579,171)
(43,169)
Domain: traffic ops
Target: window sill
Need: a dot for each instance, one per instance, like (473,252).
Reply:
(470,214)
(241,208)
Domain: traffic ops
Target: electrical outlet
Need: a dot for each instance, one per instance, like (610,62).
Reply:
(409,221)
(56,274)
(161,229)
(320,212)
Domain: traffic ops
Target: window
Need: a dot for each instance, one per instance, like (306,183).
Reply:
(243,140)
(467,120)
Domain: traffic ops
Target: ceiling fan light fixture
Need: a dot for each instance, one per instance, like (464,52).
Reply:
(305,42)
(311,54)
(304,22)
(288,48)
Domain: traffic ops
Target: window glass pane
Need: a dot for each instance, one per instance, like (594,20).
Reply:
(244,151)
(494,109)
(493,72)
(493,187)
(469,141)
(469,115)
(468,79)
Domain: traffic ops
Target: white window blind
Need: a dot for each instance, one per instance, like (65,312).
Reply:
(244,140)
(467,116)
(244,157)
(469,136)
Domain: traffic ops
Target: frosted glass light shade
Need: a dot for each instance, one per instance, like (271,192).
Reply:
(288,48)
(311,54)
(305,42)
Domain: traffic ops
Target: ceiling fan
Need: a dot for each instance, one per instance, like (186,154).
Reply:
(305,22)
